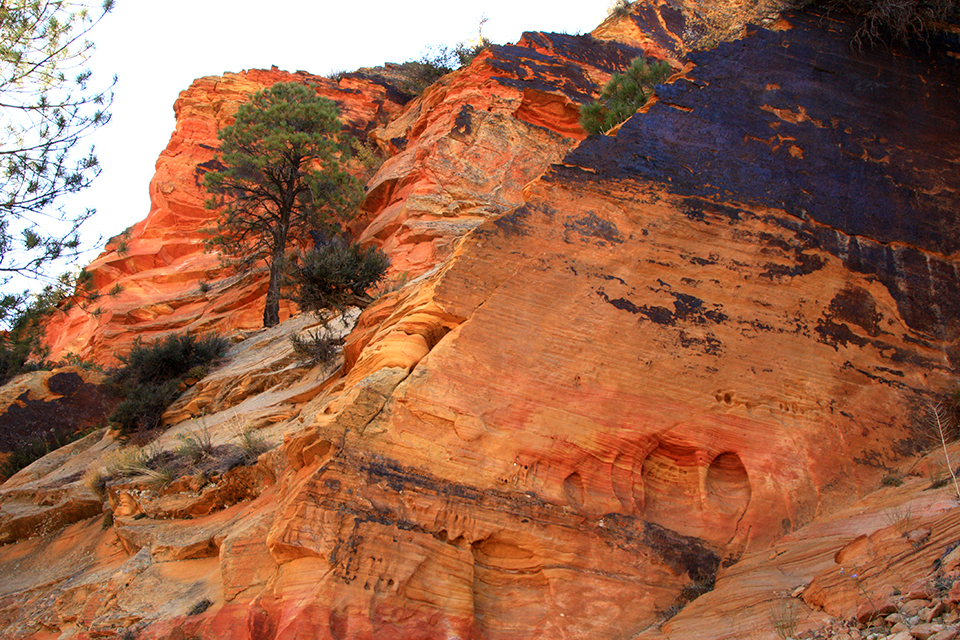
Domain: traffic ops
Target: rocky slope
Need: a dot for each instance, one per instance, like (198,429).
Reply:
(680,358)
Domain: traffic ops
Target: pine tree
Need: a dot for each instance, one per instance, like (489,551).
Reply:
(47,106)
(623,95)
(283,176)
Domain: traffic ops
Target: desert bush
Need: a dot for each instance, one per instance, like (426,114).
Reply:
(144,406)
(24,315)
(200,607)
(28,451)
(149,462)
(623,95)
(96,480)
(32,448)
(900,518)
(252,445)
(785,618)
(130,461)
(438,61)
(198,372)
(886,22)
(336,275)
(687,595)
(249,441)
(170,358)
(619,8)
(317,347)
(892,479)
(151,377)
(196,445)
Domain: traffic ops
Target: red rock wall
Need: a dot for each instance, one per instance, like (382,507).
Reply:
(717,322)
(687,341)
(159,263)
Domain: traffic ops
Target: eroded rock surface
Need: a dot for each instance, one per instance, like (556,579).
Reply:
(166,282)
(686,357)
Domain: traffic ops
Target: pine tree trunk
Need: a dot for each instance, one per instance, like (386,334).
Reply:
(271,310)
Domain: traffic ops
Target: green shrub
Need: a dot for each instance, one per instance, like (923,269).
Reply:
(24,315)
(144,406)
(198,372)
(27,451)
(623,95)
(200,607)
(336,275)
(170,358)
(30,449)
(197,445)
(251,445)
(437,62)
(151,377)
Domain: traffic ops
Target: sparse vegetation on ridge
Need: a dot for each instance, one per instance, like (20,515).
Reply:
(619,8)
(885,22)
(623,95)
(21,350)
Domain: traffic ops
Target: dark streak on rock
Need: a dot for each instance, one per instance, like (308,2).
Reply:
(79,405)
(708,344)
(462,124)
(875,131)
(592,226)
(681,553)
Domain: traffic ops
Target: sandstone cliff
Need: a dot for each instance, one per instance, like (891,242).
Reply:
(628,367)
(166,282)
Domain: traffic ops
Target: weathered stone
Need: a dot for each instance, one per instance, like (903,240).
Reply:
(928,614)
(925,630)
(913,607)
(679,361)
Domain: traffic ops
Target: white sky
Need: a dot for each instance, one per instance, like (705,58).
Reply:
(158,48)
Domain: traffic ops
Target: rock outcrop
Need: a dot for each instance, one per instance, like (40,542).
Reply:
(457,155)
(681,358)
(155,277)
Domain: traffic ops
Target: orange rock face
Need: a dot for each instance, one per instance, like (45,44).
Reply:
(681,359)
(166,280)
(465,149)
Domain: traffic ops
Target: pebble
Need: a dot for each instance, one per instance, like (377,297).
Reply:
(928,614)
(925,630)
(918,614)
(913,606)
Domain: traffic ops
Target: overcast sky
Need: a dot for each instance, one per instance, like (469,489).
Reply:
(158,48)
